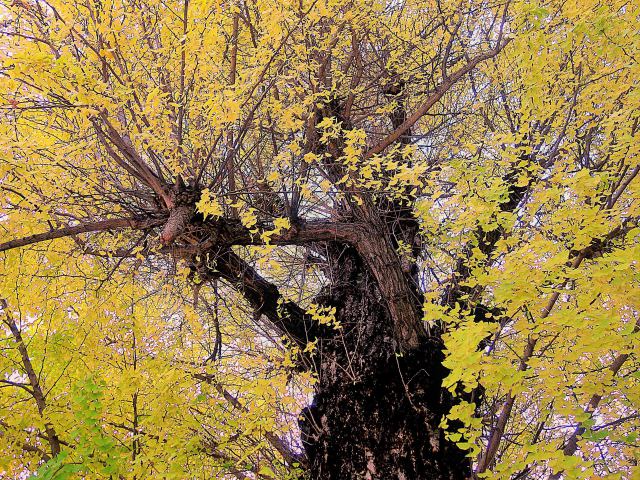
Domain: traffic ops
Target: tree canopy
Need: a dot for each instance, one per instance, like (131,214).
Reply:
(176,177)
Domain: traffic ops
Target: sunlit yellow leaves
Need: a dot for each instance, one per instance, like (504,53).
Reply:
(209,205)
(279,225)
(466,436)
(295,148)
(330,128)
(104,357)
(248,218)
(273,176)
(355,142)
(292,118)
(310,157)
(324,315)
(587,106)
(464,358)
(325,185)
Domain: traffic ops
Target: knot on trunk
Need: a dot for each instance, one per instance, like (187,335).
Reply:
(179,216)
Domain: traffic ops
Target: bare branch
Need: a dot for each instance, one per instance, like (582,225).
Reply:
(99,226)
(434,98)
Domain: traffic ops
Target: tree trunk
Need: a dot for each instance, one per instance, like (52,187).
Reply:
(375,414)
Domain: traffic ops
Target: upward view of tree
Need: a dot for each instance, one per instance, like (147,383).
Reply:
(323,239)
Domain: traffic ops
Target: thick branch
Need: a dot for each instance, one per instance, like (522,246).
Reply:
(178,221)
(378,253)
(225,232)
(301,233)
(265,298)
(373,246)
(395,286)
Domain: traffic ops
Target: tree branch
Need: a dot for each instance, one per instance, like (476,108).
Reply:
(286,316)
(435,97)
(226,232)
(498,430)
(36,390)
(276,442)
(99,226)
(570,446)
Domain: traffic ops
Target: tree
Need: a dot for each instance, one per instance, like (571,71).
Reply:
(423,214)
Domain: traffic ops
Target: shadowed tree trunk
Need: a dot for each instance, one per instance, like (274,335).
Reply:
(377,406)
(376,413)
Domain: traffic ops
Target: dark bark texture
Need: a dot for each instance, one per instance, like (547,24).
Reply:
(376,412)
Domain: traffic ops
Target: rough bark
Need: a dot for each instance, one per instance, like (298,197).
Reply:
(379,401)
(375,414)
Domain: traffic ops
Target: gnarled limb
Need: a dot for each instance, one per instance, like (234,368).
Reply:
(396,288)
(286,316)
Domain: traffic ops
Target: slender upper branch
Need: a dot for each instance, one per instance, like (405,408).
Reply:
(435,97)
(570,446)
(276,442)
(99,226)
(36,389)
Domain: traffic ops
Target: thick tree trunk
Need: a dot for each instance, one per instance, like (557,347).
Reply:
(375,414)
